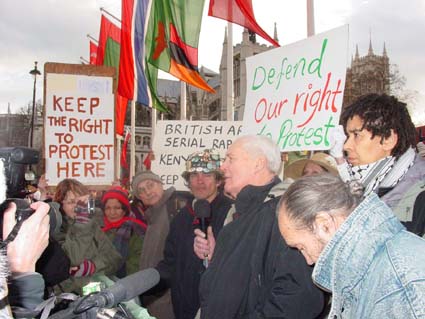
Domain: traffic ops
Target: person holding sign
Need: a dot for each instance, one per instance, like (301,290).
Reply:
(253,273)
(381,154)
(181,268)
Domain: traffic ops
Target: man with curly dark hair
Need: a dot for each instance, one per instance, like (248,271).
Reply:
(381,153)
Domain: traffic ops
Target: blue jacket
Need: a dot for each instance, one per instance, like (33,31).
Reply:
(373,266)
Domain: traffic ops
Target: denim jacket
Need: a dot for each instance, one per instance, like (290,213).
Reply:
(373,266)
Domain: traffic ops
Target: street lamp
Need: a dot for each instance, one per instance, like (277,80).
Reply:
(34,72)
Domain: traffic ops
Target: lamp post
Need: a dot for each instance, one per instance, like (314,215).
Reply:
(34,72)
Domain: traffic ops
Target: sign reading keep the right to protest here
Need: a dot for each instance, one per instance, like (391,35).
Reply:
(79,128)
(295,92)
(174,141)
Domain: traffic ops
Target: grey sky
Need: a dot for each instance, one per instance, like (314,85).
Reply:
(55,31)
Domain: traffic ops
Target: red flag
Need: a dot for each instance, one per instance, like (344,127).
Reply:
(239,12)
(93,52)
(126,77)
(124,163)
(107,30)
(147,162)
(120,112)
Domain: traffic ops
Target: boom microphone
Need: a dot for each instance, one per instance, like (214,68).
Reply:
(203,211)
(125,289)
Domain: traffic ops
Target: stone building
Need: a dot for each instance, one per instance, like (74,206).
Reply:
(367,74)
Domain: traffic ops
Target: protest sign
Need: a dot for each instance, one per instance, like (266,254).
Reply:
(174,141)
(79,128)
(294,93)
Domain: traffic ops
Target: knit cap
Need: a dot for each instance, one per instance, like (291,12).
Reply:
(118,193)
(143,176)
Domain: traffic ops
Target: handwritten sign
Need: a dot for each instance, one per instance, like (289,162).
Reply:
(79,129)
(174,141)
(295,93)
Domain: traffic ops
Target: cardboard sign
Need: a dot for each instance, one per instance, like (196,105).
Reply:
(79,128)
(174,141)
(295,93)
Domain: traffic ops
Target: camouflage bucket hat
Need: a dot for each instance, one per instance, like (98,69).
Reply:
(206,161)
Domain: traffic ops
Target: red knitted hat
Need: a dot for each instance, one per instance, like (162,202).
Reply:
(118,193)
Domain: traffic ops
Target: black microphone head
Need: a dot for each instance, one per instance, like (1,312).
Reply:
(202,208)
(132,286)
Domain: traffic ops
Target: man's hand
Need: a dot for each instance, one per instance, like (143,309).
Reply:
(32,239)
(337,139)
(202,246)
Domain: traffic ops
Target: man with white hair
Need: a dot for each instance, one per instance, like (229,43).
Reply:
(253,273)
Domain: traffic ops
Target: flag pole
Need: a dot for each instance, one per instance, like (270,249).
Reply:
(93,39)
(183,103)
(229,63)
(154,116)
(110,14)
(310,18)
(118,157)
(133,139)
(310,32)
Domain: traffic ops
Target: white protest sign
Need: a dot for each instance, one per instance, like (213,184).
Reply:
(174,141)
(294,93)
(79,129)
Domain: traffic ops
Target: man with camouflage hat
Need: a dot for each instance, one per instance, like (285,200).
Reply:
(181,269)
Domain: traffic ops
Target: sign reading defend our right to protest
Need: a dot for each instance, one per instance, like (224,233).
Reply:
(295,93)
(174,141)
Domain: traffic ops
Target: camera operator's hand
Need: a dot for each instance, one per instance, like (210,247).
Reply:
(31,240)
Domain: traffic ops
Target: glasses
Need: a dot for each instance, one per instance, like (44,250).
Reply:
(70,202)
(148,187)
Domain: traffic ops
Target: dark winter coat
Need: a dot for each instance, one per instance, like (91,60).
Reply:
(181,269)
(253,273)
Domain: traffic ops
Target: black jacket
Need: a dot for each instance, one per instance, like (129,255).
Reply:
(181,269)
(253,273)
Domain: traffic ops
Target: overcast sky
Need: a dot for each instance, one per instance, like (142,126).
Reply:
(55,31)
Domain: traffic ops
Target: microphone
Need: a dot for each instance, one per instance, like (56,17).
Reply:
(124,289)
(203,211)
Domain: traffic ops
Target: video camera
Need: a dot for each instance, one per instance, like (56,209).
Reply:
(15,162)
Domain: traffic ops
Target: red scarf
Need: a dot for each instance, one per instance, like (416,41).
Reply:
(110,225)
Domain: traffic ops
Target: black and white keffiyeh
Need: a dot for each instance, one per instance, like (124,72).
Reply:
(385,173)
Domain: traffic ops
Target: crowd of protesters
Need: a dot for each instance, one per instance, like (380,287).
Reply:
(338,235)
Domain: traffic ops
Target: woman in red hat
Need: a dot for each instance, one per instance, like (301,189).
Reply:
(125,231)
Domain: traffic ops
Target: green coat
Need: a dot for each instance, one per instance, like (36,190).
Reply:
(87,241)
(131,263)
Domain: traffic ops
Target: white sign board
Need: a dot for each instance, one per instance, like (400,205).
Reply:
(174,141)
(79,129)
(294,93)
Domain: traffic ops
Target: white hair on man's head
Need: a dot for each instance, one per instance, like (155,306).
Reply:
(3,187)
(261,145)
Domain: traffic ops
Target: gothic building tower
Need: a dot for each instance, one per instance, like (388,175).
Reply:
(367,74)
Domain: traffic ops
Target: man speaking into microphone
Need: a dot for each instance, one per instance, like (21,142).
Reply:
(181,269)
